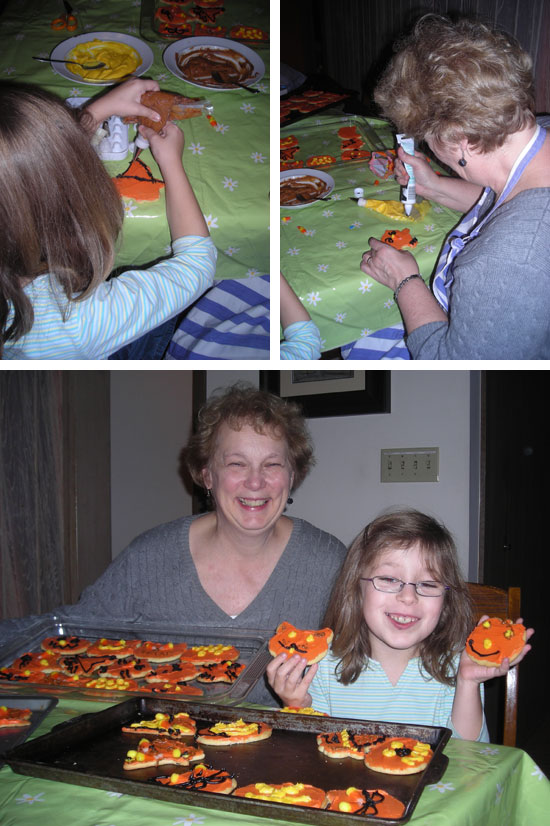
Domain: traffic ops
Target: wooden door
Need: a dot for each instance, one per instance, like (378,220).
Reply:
(515,510)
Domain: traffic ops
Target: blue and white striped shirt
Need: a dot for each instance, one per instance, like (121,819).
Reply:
(415,699)
(118,311)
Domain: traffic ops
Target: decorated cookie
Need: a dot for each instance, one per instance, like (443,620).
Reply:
(399,238)
(403,755)
(171,725)
(233,733)
(216,653)
(161,751)
(117,648)
(41,661)
(138,182)
(177,672)
(66,645)
(226,671)
(129,668)
(494,639)
(203,778)
(14,717)
(306,710)
(373,802)
(112,684)
(313,645)
(160,652)
(297,794)
(345,743)
(79,664)
(247,33)
(174,688)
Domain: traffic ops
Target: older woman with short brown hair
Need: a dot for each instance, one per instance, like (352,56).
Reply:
(466,89)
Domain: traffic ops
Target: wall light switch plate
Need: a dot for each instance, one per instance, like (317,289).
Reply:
(409,464)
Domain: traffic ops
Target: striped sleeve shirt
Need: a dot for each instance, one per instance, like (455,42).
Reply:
(302,341)
(118,311)
(415,699)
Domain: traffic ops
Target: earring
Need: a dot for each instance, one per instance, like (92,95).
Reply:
(462,161)
(290,500)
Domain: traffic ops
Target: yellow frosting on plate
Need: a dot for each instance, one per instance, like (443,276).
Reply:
(395,210)
(120,59)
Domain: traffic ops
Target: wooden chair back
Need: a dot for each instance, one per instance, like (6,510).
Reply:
(498,602)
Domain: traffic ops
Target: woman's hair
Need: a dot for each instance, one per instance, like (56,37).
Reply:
(60,213)
(239,406)
(451,80)
(400,529)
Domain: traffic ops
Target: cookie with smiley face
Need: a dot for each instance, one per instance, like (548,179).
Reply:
(494,639)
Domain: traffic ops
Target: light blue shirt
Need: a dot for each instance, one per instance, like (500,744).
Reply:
(118,311)
(302,341)
(415,699)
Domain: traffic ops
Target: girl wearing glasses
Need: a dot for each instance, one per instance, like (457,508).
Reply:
(400,611)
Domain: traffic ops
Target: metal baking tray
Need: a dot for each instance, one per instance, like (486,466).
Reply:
(40,707)
(251,644)
(89,751)
(322,138)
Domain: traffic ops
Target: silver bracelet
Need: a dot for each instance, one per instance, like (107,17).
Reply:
(402,283)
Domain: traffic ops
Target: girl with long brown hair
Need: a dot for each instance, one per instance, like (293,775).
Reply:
(400,611)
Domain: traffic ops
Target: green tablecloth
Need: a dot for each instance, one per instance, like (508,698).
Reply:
(322,243)
(484,785)
(228,165)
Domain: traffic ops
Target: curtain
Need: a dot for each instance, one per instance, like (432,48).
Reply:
(31,492)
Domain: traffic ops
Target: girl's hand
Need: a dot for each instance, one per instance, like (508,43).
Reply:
(387,265)
(470,671)
(286,678)
(166,146)
(125,101)
(424,175)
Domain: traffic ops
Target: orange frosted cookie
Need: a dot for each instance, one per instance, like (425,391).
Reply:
(494,639)
(161,751)
(296,794)
(78,664)
(200,654)
(399,755)
(203,778)
(12,717)
(128,668)
(173,688)
(116,648)
(160,652)
(173,725)
(66,644)
(339,744)
(313,645)
(226,671)
(374,802)
(178,672)
(233,733)
(112,684)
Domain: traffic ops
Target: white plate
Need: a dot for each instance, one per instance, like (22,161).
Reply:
(312,173)
(62,50)
(187,43)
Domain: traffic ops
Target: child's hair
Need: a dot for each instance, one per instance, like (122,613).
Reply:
(401,528)
(60,213)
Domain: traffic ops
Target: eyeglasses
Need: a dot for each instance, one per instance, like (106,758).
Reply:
(391,585)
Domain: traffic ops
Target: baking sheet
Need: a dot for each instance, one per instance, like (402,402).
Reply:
(252,646)
(89,751)
(322,139)
(40,707)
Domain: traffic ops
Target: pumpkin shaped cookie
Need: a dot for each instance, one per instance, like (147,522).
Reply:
(494,639)
(313,645)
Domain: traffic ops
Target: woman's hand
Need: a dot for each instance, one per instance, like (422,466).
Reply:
(125,101)
(426,179)
(470,671)
(286,678)
(387,265)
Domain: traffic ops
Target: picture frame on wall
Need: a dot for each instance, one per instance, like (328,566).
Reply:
(332,392)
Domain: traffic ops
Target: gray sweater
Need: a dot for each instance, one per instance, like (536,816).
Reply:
(155,579)
(500,300)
